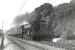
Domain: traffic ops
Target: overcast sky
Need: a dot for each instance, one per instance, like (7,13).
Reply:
(9,9)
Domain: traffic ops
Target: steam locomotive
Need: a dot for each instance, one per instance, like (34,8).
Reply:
(31,31)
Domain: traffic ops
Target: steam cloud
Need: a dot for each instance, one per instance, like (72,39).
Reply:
(30,17)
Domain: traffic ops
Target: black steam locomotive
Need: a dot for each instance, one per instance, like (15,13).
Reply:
(31,31)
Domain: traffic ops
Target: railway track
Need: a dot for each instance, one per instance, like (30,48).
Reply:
(31,45)
(25,46)
(10,45)
(17,44)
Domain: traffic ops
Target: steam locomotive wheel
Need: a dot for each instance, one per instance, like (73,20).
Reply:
(30,38)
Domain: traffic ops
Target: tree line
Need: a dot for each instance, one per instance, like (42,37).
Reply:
(58,21)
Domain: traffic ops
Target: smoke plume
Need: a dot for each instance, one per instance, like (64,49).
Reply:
(30,17)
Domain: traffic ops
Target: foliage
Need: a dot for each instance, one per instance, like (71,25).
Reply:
(64,24)
(45,17)
(44,9)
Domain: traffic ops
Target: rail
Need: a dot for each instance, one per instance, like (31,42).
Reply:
(22,42)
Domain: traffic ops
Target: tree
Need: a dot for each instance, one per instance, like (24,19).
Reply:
(45,17)
(44,10)
(64,18)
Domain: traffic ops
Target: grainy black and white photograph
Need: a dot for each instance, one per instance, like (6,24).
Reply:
(37,24)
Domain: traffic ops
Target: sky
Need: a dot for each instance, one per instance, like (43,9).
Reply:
(9,9)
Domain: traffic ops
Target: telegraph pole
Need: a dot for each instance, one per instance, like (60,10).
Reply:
(2,42)
(2,26)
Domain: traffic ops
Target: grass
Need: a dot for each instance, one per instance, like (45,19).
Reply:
(67,44)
